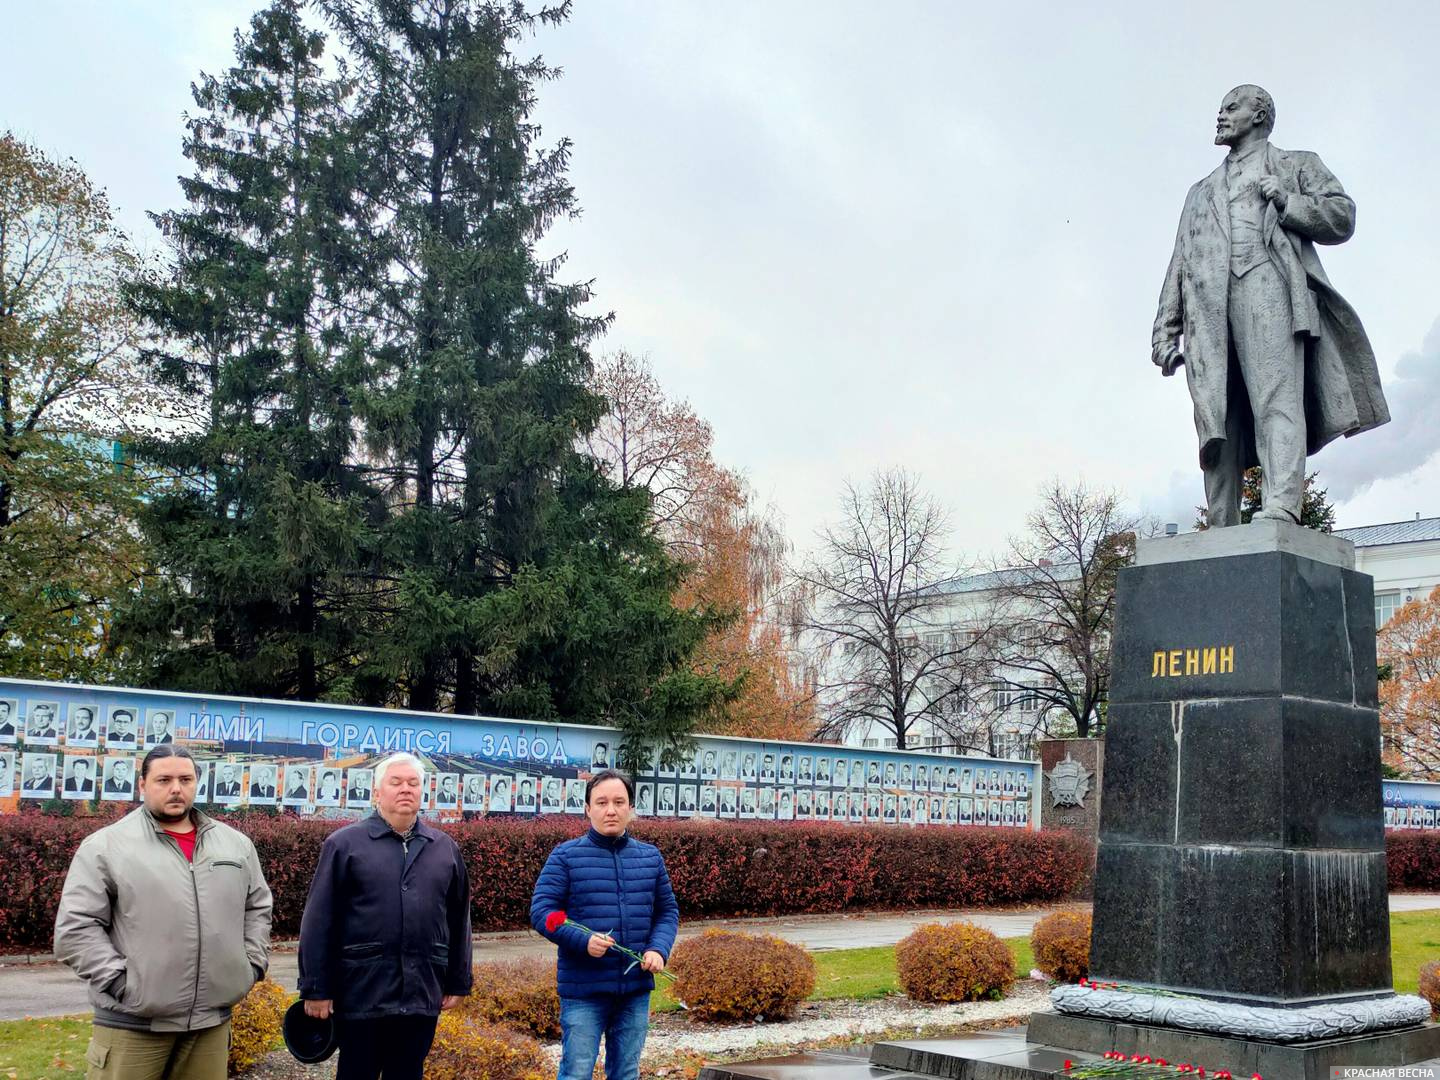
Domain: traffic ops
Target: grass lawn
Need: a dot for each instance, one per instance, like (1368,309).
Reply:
(1414,942)
(43,1049)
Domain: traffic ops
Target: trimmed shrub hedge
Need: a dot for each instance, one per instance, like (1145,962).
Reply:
(519,994)
(255,1024)
(1413,858)
(1061,945)
(728,975)
(717,868)
(467,1050)
(954,962)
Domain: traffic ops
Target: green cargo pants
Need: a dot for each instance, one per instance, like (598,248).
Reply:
(115,1054)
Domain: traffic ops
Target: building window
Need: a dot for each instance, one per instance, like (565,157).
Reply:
(1386,604)
(871,742)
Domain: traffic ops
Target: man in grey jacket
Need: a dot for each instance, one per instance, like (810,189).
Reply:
(166,915)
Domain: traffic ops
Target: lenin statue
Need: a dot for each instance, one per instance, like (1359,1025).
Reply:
(1277,362)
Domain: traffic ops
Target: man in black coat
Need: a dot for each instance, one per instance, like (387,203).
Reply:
(385,937)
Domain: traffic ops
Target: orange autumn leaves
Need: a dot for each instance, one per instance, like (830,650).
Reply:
(735,551)
(1409,645)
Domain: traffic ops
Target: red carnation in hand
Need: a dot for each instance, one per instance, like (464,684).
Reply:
(554,921)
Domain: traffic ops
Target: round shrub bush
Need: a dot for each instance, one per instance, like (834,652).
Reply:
(519,994)
(727,975)
(1061,944)
(255,1024)
(467,1050)
(1430,985)
(954,962)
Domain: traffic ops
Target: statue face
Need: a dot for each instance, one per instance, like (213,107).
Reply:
(1237,117)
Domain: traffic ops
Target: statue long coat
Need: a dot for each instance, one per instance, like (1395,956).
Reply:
(1342,382)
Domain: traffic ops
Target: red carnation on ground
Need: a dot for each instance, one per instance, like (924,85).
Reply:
(554,921)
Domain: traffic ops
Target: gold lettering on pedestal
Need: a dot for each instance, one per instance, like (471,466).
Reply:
(1209,660)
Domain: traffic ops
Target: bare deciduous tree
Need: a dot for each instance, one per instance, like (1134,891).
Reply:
(878,617)
(1055,603)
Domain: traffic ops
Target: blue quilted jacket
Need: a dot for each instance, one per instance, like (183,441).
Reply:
(615,885)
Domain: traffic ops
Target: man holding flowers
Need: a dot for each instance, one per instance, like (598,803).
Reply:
(605,899)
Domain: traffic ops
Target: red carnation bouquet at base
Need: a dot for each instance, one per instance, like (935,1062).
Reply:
(556,919)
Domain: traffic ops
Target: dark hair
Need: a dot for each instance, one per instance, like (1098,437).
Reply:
(165,750)
(610,774)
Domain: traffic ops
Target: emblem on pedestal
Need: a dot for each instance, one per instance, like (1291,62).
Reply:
(1069,783)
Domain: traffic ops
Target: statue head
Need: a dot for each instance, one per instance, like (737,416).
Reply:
(1247,111)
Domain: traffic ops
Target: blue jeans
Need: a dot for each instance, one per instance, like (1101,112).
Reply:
(623,1020)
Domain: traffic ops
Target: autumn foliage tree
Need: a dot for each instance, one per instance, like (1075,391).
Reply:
(70,388)
(734,551)
(1409,647)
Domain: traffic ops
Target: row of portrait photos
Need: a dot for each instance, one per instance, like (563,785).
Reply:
(229,783)
(1411,817)
(820,770)
(49,723)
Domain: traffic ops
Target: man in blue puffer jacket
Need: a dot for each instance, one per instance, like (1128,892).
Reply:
(618,887)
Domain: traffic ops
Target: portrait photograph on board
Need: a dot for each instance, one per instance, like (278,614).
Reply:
(297,785)
(329,788)
(667,767)
(729,802)
(501,793)
(574,796)
(645,800)
(526,797)
(472,792)
(82,726)
(37,776)
(159,727)
(840,772)
(907,809)
(709,765)
(767,768)
(804,769)
(117,782)
(820,806)
(264,790)
(666,801)
(447,791)
(822,770)
(7,772)
(786,772)
(79,781)
(202,781)
(42,723)
(359,787)
(689,767)
(785,805)
(122,728)
(747,802)
(552,795)
(922,778)
(9,720)
(729,765)
(689,801)
(804,804)
(748,767)
(709,800)
(1022,784)
(227,786)
(600,757)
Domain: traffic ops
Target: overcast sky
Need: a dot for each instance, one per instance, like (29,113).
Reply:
(857,235)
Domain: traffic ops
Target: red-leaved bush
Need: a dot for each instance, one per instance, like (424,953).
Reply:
(717,868)
(1413,858)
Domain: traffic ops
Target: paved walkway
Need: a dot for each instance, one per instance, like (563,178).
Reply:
(46,988)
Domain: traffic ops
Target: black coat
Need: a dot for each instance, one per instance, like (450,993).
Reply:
(386,932)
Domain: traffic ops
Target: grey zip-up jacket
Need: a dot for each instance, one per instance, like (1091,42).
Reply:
(164,944)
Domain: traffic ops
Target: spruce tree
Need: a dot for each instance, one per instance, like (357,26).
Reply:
(524,584)
(265,529)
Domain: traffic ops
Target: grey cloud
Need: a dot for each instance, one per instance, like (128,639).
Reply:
(1412,438)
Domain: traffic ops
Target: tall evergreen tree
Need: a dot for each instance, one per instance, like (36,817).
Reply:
(506,542)
(266,521)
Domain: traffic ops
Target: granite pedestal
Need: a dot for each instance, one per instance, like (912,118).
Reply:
(1242,846)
